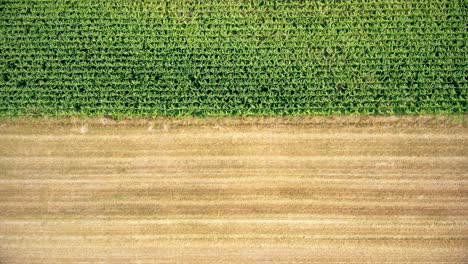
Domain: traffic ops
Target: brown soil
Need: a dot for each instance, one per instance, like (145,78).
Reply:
(356,189)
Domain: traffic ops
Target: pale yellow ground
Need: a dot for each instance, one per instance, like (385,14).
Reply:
(299,190)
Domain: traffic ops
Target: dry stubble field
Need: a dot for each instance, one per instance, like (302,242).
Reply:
(240,190)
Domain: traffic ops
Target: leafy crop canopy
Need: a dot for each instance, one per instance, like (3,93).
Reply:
(232,57)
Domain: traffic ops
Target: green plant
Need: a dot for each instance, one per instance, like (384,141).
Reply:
(230,57)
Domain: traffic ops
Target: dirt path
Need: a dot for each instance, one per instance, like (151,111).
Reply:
(245,190)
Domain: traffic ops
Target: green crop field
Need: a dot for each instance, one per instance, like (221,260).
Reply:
(233,57)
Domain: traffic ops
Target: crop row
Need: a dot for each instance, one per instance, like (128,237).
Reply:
(233,57)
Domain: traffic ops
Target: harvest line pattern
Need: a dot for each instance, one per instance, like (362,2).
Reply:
(294,193)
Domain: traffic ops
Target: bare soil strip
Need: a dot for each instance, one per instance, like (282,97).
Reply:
(298,190)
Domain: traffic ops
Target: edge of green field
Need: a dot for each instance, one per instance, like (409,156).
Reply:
(357,121)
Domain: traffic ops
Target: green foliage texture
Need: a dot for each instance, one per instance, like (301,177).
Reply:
(232,57)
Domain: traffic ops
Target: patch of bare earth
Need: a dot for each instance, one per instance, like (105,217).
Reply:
(350,190)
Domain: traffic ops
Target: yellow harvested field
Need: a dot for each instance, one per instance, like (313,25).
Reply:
(243,190)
